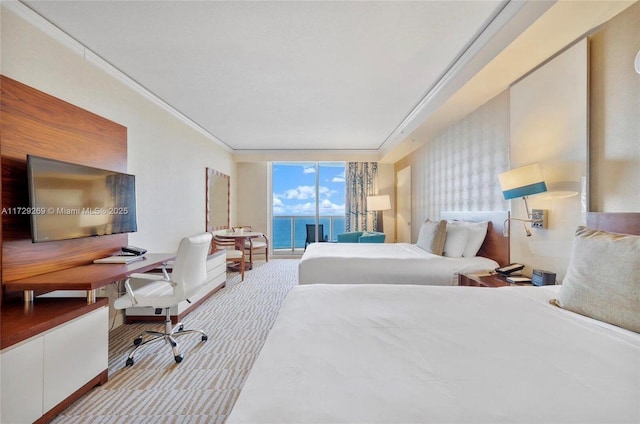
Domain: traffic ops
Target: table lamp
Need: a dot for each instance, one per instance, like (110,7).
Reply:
(379,203)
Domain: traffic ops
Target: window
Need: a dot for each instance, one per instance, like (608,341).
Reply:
(306,193)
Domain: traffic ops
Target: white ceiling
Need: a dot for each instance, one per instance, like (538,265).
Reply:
(280,75)
(324,76)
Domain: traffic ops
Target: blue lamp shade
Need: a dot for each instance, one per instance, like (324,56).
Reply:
(523,181)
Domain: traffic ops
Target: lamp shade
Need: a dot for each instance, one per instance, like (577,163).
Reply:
(523,181)
(378,203)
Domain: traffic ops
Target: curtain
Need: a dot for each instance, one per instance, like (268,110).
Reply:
(361,181)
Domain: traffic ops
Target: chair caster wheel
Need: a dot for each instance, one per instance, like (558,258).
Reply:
(205,338)
(129,362)
(137,341)
(178,358)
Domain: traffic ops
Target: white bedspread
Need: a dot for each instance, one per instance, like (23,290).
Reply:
(422,354)
(382,263)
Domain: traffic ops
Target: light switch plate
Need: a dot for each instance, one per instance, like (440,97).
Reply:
(540,218)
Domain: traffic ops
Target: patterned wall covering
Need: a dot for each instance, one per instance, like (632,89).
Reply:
(457,171)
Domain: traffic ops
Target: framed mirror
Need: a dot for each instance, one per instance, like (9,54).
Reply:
(218,193)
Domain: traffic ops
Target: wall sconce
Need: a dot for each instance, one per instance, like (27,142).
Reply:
(379,203)
(522,182)
(637,63)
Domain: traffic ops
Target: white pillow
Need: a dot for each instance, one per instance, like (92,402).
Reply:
(432,236)
(477,234)
(456,241)
(602,279)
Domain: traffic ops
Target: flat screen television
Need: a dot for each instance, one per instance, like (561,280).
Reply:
(69,201)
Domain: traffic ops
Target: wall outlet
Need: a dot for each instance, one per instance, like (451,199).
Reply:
(539,217)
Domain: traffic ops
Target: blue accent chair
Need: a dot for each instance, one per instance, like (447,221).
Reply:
(361,237)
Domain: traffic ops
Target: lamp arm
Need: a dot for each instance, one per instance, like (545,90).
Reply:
(505,227)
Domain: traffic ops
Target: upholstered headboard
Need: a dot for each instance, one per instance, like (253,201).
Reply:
(495,246)
(615,222)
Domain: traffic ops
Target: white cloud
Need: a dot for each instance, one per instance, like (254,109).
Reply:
(309,170)
(300,193)
(340,178)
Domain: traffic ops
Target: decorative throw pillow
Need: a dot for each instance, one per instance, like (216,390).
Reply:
(477,234)
(456,241)
(432,236)
(602,279)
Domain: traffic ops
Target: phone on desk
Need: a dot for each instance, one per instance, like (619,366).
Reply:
(509,269)
(132,250)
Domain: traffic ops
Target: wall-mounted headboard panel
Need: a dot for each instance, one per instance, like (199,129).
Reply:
(615,222)
(36,123)
(496,245)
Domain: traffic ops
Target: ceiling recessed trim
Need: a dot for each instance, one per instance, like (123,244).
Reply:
(468,63)
(87,54)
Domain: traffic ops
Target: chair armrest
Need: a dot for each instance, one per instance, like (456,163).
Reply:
(351,237)
(372,238)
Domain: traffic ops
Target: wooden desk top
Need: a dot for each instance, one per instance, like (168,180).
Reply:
(88,277)
(21,321)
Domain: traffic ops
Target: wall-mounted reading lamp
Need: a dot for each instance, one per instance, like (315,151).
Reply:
(522,182)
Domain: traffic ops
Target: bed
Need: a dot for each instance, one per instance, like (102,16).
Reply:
(403,263)
(426,354)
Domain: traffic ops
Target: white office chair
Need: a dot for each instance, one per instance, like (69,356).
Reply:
(164,291)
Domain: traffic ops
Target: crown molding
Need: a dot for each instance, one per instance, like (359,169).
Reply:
(33,18)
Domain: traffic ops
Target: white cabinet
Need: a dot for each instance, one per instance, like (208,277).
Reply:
(22,369)
(43,371)
(74,354)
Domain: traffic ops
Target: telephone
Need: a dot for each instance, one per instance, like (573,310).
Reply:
(509,269)
(132,250)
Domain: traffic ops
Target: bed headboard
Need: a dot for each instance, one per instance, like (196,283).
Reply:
(495,246)
(615,222)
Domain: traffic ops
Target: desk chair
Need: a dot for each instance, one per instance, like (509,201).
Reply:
(311,234)
(233,255)
(164,291)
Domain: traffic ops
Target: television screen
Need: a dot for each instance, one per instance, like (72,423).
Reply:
(70,201)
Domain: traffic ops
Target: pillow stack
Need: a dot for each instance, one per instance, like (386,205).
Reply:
(464,239)
(453,239)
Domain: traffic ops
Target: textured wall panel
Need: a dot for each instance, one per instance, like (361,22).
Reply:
(458,169)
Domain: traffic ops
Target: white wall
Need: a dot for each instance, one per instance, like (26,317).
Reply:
(615,112)
(167,156)
(548,114)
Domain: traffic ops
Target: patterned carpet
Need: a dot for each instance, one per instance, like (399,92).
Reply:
(204,387)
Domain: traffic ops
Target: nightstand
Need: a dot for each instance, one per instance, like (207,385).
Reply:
(486,280)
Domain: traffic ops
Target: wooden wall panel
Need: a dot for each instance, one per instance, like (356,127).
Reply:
(33,122)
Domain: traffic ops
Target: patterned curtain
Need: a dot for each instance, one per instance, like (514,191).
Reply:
(361,181)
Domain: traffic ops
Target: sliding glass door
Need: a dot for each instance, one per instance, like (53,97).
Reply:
(306,193)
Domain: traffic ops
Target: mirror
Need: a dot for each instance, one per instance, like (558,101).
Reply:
(218,186)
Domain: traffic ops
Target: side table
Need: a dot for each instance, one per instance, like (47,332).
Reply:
(486,280)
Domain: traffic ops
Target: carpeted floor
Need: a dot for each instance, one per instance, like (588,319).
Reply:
(204,387)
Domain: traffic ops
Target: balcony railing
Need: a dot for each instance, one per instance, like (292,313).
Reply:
(290,232)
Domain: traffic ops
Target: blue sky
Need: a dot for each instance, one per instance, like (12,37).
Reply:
(294,188)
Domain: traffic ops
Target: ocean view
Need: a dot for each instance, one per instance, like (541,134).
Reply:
(282,226)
